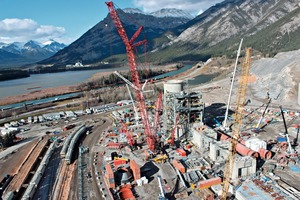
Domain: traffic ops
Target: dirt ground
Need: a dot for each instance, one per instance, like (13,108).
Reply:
(11,163)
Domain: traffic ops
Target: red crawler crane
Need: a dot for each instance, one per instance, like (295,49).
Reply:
(158,107)
(129,44)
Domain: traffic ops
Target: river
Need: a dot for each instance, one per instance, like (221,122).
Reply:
(40,81)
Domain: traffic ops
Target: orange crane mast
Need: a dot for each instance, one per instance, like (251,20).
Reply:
(236,129)
(130,45)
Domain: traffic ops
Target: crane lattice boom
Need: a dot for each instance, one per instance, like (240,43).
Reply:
(236,129)
(129,44)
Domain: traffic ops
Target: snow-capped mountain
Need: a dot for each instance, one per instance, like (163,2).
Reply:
(133,10)
(29,51)
(2,45)
(172,12)
(165,12)
(53,46)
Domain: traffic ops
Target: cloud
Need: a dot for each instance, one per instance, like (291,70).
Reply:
(23,30)
(191,6)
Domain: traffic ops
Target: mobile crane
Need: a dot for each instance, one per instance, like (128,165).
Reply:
(130,46)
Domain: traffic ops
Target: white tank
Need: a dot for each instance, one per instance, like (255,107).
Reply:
(173,86)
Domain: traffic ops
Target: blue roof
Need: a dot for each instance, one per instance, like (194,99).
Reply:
(251,192)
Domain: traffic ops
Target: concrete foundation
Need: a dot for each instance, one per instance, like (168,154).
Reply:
(206,139)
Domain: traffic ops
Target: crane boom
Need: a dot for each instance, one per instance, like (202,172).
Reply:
(129,44)
(236,129)
(125,80)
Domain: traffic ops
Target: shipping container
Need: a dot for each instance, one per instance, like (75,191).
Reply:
(109,171)
(178,165)
(119,162)
(135,170)
(181,152)
(210,182)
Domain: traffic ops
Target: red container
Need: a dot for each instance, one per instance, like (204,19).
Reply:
(181,152)
(135,170)
(113,145)
(210,182)
(109,171)
(119,162)
(178,165)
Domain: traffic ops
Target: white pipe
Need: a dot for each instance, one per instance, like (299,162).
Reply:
(233,76)
(183,183)
(162,191)
(134,108)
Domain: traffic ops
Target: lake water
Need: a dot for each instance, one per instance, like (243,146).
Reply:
(203,78)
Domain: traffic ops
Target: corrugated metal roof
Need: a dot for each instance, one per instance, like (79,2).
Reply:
(250,191)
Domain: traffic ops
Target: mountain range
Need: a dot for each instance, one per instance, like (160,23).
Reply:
(268,26)
(18,53)
(103,41)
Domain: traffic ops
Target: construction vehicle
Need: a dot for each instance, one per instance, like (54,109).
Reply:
(130,50)
(236,128)
(121,158)
(160,158)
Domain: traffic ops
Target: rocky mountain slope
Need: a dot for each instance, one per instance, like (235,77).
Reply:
(218,30)
(102,40)
(267,26)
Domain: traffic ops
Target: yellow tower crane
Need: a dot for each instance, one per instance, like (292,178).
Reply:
(236,129)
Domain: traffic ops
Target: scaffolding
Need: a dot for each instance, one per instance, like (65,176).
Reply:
(188,105)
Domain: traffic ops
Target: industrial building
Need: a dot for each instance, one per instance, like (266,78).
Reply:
(182,106)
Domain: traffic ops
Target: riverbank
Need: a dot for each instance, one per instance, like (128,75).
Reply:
(41,93)
(38,94)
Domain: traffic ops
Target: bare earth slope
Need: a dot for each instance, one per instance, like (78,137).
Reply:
(280,76)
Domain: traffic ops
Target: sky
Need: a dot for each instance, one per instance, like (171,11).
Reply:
(66,20)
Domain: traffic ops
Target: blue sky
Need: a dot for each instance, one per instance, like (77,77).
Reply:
(66,20)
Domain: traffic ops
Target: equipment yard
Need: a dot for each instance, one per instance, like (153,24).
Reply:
(189,142)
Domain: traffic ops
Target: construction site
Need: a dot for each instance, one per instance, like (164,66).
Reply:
(173,146)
